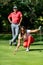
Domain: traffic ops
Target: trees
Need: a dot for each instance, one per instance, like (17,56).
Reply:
(31,9)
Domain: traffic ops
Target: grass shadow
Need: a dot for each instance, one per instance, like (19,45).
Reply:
(36,44)
(30,50)
(36,49)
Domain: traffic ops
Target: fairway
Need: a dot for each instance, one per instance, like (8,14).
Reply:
(33,57)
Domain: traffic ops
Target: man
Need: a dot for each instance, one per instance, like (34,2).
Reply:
(15,19)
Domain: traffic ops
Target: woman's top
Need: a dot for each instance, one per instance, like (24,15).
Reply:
(25,36)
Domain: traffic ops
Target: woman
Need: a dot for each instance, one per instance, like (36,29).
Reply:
(26,36)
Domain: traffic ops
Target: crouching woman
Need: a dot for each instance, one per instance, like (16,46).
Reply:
(27,37)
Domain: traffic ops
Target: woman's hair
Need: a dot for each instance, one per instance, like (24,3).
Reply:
(24,30)
(22,27)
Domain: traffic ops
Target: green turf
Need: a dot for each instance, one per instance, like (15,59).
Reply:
(33,57)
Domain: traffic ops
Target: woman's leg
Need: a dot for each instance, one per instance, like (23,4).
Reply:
(25,45)
(28,42)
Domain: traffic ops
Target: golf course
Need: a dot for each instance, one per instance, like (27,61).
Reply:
(8,56)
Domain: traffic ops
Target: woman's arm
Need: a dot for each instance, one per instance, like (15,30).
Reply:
(18,45)
(33,31)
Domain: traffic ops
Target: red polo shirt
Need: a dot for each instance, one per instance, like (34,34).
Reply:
(15,17)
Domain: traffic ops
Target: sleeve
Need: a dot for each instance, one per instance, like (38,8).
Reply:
(20,14)
(28,31)
(10,15)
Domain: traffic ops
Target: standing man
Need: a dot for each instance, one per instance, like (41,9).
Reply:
(15,19)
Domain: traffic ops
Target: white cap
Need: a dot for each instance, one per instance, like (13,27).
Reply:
(15,7)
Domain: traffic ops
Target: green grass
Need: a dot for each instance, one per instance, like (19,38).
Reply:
(33,57)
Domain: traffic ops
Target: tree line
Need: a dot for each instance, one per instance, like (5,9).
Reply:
(32,13)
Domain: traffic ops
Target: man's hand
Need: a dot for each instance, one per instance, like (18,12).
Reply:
(10,21)
(19,24)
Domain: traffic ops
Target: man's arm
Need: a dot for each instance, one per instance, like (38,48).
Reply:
(9,18)
(20,20)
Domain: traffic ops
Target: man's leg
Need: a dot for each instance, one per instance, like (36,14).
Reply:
(12,29)
(16,33)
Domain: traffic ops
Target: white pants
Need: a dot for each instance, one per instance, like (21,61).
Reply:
(15,30)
